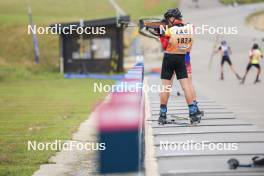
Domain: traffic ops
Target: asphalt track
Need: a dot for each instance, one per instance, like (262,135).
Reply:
(233,112)
(244,100)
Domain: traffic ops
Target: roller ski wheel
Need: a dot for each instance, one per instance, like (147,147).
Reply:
(162,118)
(233,163)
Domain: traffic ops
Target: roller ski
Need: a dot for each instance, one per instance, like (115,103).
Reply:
(163,121)
(194,119)
(163,118)
(173,122)
(257,161)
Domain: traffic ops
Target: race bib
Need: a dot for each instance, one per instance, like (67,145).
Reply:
(181,39)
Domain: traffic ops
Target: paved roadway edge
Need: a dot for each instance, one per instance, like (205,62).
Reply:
(151,165)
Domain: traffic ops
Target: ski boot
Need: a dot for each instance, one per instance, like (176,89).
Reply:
(162,118)
(194,116)
(199,112)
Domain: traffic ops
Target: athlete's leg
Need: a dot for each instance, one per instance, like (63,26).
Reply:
(194,113)
(194,96)
(164,97)
(222,69)
(192,90)
(178,92)
(186,87)
(182,75)
(185,84)
(165,94)
(258,73)
(192,87)
(189,72)
(167,71)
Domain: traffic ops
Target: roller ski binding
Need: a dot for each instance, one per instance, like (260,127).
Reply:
(195,118)
(162,118)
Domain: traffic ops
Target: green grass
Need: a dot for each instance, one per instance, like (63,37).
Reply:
(241,1)
(42,110)
(37,103)
(141,8)
(47,11)
(16,45)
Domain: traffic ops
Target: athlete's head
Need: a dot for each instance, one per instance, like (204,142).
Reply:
(223,43)
(173,15)
(255,46)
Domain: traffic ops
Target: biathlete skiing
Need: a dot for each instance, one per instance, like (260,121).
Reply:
(175,46)
(226,52)
(255,55)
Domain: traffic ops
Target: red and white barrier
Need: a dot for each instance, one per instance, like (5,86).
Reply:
(120,126)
